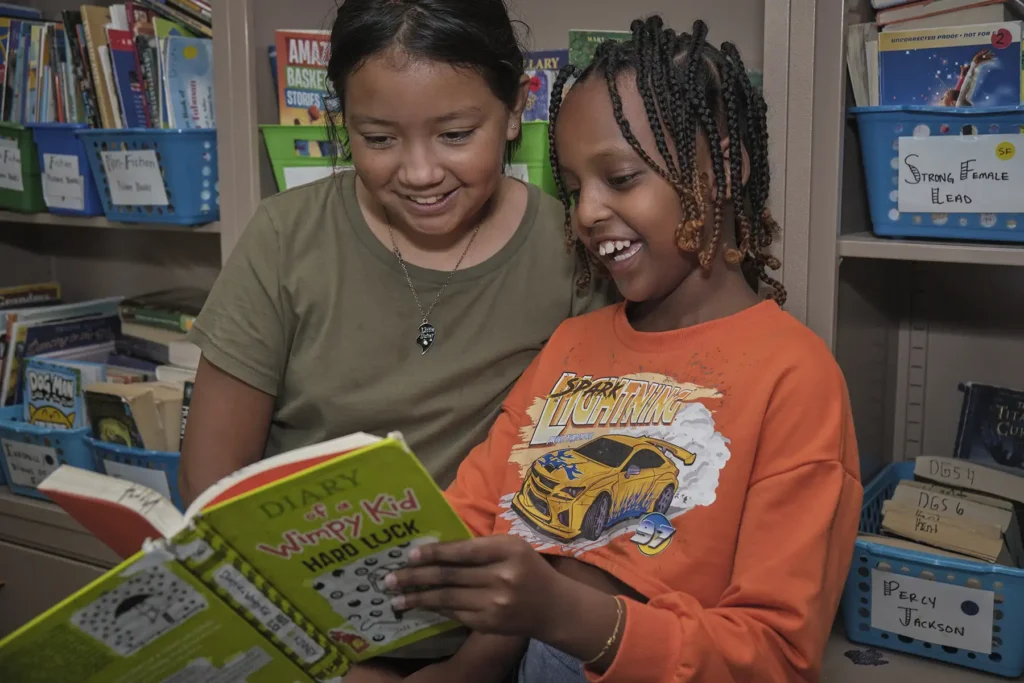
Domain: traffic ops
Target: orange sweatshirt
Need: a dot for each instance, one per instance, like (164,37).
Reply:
(713,469)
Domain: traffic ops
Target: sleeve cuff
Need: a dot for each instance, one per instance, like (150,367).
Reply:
(646,651)
(232,365)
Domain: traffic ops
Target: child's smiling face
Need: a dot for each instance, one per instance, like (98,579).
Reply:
(623,211)
(427,139)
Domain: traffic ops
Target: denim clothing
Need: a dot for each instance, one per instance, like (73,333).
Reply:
(544,664)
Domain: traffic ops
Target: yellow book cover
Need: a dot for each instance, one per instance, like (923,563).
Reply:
(148,619)
(298,545)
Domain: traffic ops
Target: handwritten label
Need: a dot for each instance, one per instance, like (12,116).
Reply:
(63,185)
(154,479)
(28,464)
(961,174)
(267,613)
(134,178)
(933,612)
(10,166)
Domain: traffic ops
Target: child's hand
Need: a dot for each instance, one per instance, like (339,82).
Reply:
(497,584)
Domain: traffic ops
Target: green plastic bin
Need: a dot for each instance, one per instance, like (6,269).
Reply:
(288,147)
(533,155)
(28,199)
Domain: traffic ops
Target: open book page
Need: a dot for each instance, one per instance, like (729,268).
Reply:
(326,538)
(149,619)
(120,513)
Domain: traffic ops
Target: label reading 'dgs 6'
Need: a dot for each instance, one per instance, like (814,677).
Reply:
(932,612)
(134,178)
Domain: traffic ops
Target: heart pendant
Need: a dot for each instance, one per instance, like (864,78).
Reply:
(426,338)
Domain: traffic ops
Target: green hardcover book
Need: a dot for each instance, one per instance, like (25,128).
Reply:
(296,546)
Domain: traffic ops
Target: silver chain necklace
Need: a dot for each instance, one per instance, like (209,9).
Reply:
(427,332)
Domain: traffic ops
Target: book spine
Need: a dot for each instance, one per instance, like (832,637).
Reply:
(99,78)
(169,320)
(219,566)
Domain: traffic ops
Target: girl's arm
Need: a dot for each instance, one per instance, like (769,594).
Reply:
(481,659)
(226,430)
(244,333)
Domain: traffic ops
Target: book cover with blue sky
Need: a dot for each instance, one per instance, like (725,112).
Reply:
(965,66)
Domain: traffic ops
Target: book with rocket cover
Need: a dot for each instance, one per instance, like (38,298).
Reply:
(278,569)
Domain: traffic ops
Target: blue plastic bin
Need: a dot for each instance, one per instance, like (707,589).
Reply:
(188,164)
(164,464)
(60,138)
(880,129)
(1007,658)
(38,451)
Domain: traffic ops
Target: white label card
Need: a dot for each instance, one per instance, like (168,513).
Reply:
(10,166)
(294,176)
(932,612)
(267,613)
(154,479)
(961,174)
(134,178)
(63,185)
(29,464)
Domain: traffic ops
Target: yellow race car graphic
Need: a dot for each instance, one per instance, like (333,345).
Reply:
(584,490)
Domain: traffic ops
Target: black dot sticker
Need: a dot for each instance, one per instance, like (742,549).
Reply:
(362,571)
(864,571)
(376,613)
(371,561)
(337,595)
(318,586)
(969,607)
(355,603)
(337,572)
(863,587)
(363,588)
(377,601)
(395,553)
(378,638)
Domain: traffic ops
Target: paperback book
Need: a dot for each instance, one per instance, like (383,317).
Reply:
(277,570)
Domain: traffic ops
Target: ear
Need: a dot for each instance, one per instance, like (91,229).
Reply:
(727,158)
(515,116)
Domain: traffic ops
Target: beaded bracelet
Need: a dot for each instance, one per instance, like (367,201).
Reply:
(614,636)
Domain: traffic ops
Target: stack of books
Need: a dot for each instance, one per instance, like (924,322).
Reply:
(953,53)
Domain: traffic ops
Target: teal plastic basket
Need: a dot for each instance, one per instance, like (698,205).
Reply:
(156,469)
(188,166)
(28,453)
(1007,656)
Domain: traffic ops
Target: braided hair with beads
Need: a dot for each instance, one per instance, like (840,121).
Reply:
(689,90)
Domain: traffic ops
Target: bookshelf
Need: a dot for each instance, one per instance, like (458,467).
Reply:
(907,319)
(839,277)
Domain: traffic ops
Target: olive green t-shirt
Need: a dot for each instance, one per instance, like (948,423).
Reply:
(312,308)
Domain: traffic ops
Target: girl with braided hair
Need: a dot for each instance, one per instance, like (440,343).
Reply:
(672,490)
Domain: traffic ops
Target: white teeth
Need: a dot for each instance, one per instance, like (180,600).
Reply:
(611,246)
(427,201)
(628,253)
